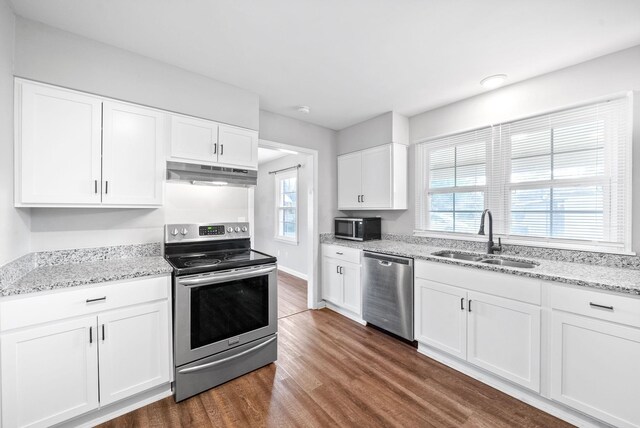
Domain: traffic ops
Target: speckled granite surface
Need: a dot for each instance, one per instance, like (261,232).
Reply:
(618,279)
(69,268)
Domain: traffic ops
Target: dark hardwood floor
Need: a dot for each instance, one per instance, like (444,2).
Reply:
(292,294)
(332,371)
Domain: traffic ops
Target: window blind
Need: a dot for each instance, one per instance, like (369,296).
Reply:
(561,177)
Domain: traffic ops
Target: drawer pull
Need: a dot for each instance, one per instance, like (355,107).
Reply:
(595,305)
(99,299)
(339,253)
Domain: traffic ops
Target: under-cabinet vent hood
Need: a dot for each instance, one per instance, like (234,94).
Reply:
(211,175)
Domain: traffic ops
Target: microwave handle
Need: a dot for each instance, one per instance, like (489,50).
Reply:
(221,277)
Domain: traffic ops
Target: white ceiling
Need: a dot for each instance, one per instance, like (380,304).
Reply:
(350,60)
(267,155)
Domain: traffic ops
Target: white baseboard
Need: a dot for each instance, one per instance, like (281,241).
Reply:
(293,272)
(120,408)
(558,410)
(345,312)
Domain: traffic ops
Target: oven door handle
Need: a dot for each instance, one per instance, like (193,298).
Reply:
(221,277)
(224,360)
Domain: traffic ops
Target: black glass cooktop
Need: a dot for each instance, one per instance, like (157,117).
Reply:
(190,263)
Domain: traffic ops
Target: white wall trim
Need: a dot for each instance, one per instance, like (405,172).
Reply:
(293,272)
(345,313)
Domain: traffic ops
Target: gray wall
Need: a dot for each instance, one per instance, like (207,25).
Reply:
(603,76)
(54,56)
(290,255)
(14,223)
(285,130)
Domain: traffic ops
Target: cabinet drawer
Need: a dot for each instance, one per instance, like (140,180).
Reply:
(16,312)
(606,306)
(351,255)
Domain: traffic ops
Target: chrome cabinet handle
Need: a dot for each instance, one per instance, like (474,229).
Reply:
(95,186)
(462,303)
(339,253)
(337,269)
(221,149)
(362,198)
(224,360)
(90,334)
(219,277)
(106,187)
(215,148)
(358,198)
(99,299)
(469,305)
(595,305)
(341,270)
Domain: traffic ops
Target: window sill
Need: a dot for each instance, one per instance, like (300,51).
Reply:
(525,243)
(286,241)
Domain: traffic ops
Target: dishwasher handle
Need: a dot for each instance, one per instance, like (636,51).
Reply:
(387,260)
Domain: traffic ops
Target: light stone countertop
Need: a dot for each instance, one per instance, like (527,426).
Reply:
(621,280)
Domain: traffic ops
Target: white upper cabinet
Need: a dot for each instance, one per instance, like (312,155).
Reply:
(79,150)
(194,139)
(237,147)
(132,163)
(375,178)
(58,146)
(204,141)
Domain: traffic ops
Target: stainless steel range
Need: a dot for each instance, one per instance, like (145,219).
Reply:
(224,305)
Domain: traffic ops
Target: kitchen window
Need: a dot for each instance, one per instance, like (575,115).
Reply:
(287,206)
(562,179)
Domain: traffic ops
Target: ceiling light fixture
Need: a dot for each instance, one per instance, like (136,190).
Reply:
(304,109)
(494,81)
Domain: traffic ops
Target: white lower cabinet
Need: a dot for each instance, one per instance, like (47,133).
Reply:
(134,350)
(500,335)
(56,370)
(341,278)
(49,373)
(594,367)
(504,338)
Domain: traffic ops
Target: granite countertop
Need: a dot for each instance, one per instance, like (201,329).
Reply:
(617,279)
(54,272)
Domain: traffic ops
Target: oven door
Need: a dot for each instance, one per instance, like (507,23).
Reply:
(222,310)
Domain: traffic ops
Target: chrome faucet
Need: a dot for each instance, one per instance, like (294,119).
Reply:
(491,247)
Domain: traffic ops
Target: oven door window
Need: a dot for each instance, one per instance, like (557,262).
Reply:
(344,228)
(228,309)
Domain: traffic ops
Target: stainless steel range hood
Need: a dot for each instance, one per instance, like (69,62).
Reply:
(211,175)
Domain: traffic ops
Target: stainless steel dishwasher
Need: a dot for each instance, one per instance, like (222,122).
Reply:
(388,293)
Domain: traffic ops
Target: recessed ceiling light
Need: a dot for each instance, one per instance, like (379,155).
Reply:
(494,81)
(304,109)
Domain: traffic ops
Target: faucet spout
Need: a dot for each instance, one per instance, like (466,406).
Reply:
(491,247)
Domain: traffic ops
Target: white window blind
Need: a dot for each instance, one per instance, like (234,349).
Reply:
(561,178)
(454,182)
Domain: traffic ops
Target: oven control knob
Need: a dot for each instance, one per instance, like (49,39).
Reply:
(237,229)
(174,232)
(244,228)
(230,229)
(184,231)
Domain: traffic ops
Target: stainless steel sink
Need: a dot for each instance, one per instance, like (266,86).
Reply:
(458,256)
(509,263)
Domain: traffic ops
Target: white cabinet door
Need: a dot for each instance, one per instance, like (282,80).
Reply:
(376,177)
(351,287)
(331,281)
(57,146)
(49,373)
(134,350)
(194,139)
(504,337)
(441,317)
(594,367)
(349,181)
(132,168)
(237,147)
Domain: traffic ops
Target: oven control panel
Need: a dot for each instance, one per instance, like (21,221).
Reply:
(205,232)
(215,230)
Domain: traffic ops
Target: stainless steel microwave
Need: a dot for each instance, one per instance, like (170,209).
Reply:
(357,229)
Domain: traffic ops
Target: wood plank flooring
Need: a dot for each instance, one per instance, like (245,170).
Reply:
(332,371)
(292,294)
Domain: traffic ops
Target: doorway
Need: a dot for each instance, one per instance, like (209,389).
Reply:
(284,215)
